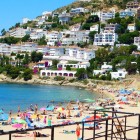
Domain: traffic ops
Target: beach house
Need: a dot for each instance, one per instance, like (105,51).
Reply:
(53,73)
(64,64)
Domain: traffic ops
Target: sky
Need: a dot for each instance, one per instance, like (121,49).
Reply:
(13,11)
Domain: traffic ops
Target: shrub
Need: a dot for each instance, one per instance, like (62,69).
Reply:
(72,80)
(59,78)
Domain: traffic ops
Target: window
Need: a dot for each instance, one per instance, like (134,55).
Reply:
(120,74)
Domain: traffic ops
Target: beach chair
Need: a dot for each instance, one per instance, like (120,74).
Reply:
(30,125)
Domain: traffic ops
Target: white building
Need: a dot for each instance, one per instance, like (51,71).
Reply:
(15,48)
(51,73)
(78,10)
(137,42)
(43,64)
(94,27)
(131,27)
(105,38)
(106,67)
(64,18)
(52,38)
(42,49)
(106,15)
(80,53)
(111,27)
(28,47)
(5,49)
(25,20)
(63,65)
(19,32)
(119,74)
(46,14)
(55,51)
(100,72)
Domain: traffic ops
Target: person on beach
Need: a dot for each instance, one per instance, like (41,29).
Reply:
(36,108)
(10,113)
(50,120)
(45,120)
(78,132)
(37,118)
(18,109)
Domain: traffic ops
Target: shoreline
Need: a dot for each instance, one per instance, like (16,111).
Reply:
(92,86)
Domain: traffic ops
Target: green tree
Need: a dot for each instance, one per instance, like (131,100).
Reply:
(68,67)
(81,73)
(26,59)
(3,32)
(36,57)
(55,62)
(42,41)
(92,19)
(92,34)
(130,67)
(25,38)
(27,74)
(86,26)
(14,72)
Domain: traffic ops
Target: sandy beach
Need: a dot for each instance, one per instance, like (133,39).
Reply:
(65,132)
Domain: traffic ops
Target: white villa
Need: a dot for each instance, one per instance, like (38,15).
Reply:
(19,32)
(119,74)
(131,27)
(43,64)
(106,67)
(106,15)
(63,65)
(94,27)
(78,10)
(64,18)
(51,73)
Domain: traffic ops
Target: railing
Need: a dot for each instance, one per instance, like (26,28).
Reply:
(108,134)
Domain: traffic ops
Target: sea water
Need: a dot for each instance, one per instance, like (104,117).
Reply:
(23,95)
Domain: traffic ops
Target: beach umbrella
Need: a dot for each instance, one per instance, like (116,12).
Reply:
(4,117)
(19,121)
(89,100)
(42,109)
(60,109)
(93,118)
(1,111)
(17,126)
(50,108)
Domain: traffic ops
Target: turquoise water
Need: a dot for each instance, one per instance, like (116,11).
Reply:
(13,95)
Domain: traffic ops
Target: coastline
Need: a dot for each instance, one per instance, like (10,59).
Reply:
(90,86)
